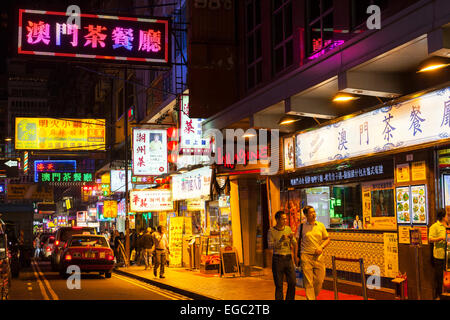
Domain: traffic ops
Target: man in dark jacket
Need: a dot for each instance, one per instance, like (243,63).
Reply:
(147,245)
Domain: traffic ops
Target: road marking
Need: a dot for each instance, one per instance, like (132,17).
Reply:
(52,293)
(154,289)
(41,286)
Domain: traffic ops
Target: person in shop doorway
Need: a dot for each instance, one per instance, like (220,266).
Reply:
(437,237)
(314,238)
(161,251)
(139,248)
(281,239)
(357,223)
(133,240)
(147,245)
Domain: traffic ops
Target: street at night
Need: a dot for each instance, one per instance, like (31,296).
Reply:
(211,158)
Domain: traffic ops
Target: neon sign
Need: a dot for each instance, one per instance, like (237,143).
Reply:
(54,166)
(65,177)
(112,38)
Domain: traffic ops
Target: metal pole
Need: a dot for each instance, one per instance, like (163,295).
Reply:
(363,279)
(125,120)
(336,296)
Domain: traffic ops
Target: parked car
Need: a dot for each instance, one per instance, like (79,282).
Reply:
(47,248)
(5,269)
(91,253)
(62,235)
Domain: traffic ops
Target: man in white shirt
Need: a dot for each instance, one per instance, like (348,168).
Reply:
(281,239)
(314,238)
(161,250)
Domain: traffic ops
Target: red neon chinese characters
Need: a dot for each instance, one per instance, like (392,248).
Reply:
(38,32)
(95,37)
(123,38)
(67,30)
(150,40)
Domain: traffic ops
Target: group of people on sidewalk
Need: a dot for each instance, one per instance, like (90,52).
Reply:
(153,249)
(304,249)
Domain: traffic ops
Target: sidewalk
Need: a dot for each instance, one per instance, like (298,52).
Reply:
(201,286)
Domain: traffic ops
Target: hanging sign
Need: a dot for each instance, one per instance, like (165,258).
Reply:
(53,166)
(417,121)
(150,200)
(118,181)
(195,184)
(191,132)
(65,177)
(67,134)
(149,152)
(98,37)
(110,209)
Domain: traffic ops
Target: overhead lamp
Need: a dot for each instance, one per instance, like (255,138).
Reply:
(288,119)
(249,135)
(344,97)
(8,139)
(434,63)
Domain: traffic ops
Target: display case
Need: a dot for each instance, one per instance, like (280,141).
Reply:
(210,254)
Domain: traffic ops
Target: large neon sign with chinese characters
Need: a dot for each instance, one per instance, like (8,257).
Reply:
(111,38)
(54,166)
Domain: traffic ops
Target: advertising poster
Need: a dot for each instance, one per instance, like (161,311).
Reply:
(289,156)
(402,173)
(419,171)
(149,152)
(195,184)
(419,204)
(378,205)
(69,134)
(403,234)
(176,240)
(390,241)
(117,178)
(402,197)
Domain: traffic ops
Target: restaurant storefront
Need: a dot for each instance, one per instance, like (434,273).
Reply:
(371,178)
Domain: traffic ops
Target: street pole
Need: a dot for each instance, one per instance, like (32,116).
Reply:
(127,221)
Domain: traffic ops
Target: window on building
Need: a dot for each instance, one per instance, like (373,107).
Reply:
(320,28)
(282,35)
(359,13)
(253,43)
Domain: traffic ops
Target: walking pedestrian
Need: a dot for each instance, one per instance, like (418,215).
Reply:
(139,248)
(147,245)
(314,238)
(37,246)
(161,251)
(437,236)
(281,239)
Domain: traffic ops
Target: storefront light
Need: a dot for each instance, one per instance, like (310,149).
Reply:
(344,97)
(433,64)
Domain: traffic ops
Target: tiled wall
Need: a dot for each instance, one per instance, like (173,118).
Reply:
(368,246)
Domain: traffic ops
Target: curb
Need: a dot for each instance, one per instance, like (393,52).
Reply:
(190,294)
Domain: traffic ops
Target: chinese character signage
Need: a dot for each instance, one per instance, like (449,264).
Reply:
(65,177)
(337,176)
(191,132)
(54,166)
(99,37)
(416,121)
(195,184)
(110,209)
(118,181)
(151,200)
(29,191)
(66,134)
(149,152)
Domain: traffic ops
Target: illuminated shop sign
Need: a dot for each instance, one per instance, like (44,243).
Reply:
(150,200)
(67,134)
(416,121)
(191,132)
(54,166)
(65,177)
(99,37)
(149,152)
(350,174)
(195,184)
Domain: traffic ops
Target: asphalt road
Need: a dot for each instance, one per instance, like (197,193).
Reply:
(39,283)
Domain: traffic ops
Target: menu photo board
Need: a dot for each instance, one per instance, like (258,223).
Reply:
(412,205)
(402,196)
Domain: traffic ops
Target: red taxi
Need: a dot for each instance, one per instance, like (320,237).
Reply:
(91,253)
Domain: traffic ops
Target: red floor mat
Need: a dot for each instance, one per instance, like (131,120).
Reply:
(329,295)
